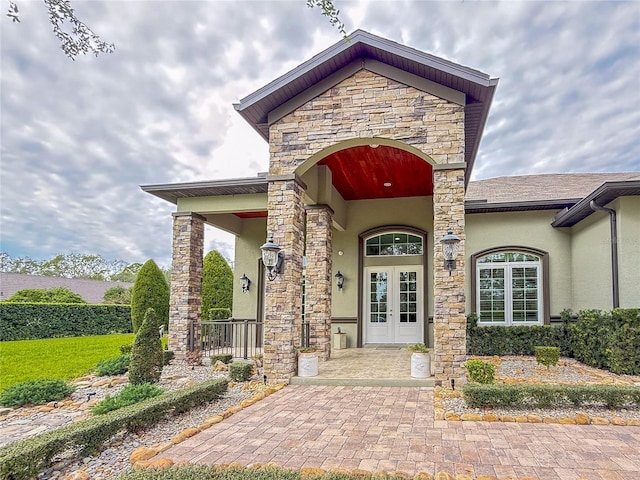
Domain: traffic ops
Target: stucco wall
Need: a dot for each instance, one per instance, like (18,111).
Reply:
(629,250)
(591,263)
(364,215)
(526,229)
(247,254)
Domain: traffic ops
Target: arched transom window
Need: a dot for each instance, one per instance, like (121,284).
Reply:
(393,244)
(509,289)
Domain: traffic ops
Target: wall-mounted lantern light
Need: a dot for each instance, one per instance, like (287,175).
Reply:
(450,250)
(339,280)
(245,283)
(272,257)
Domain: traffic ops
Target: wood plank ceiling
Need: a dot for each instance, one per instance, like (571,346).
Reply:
(364,172)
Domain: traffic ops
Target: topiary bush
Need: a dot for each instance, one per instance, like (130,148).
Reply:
(150,290)
(217,283)
(37,392)
(146,356)
(240,372)
(113,366)
(547,356)
(128,396)
(480,371)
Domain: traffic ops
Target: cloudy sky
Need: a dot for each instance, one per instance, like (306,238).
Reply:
(78,138)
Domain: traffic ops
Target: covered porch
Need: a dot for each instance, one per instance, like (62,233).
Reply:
(381,366)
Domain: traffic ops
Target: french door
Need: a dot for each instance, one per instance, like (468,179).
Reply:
(393,305)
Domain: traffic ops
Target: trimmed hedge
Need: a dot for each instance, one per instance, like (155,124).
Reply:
(266,472)
(31,321)
(477,395)
(608,340)
(516,340)
(23,459)
(218,313)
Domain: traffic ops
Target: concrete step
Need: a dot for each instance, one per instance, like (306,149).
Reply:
(364,382)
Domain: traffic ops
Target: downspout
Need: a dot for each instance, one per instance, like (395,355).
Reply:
(614,249)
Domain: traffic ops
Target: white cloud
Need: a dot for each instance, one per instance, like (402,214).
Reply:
(78,138)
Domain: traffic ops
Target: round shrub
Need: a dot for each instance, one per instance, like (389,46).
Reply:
(480,371)
(37,392)
(240,372)
(547,356)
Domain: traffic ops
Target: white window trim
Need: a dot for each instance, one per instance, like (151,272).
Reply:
(508,311)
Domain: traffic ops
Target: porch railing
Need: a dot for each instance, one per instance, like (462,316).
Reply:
(240,338)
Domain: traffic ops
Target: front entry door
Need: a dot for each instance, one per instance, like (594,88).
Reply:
(393,304)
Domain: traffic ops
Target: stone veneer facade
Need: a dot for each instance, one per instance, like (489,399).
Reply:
(186,281)
(318,284)
(283,294)
(449,320)
(364,106)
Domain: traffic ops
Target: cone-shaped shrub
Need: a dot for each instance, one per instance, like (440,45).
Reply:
(146,355)
(150,290)
(217,282)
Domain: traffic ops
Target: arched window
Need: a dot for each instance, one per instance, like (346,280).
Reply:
(393,244)
(509,287)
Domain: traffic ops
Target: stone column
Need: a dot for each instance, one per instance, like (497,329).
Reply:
(185,303)
(449,309)
(318,277)
(283,295)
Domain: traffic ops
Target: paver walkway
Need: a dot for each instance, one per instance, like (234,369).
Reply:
(392,428)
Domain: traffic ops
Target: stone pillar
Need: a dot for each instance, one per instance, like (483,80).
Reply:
(283,295)
(449,309)
(318,278)
(185,303)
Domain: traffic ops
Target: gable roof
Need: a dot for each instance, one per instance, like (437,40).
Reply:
(478,87)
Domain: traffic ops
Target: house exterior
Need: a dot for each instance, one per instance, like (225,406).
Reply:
(92,291)
(372,145)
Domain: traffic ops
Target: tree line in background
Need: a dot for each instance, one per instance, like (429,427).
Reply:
(74,265)
(150,283)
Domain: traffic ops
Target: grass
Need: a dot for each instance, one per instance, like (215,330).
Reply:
(56,358)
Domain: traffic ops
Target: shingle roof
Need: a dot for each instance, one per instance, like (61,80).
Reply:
(541,188)
(91,290)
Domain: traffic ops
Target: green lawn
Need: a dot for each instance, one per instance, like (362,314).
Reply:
(63,358)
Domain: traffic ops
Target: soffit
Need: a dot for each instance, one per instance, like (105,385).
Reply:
(171,192)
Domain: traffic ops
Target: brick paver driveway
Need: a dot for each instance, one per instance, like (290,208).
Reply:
(392,429)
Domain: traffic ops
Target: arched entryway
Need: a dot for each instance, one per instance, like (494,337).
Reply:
(392,286)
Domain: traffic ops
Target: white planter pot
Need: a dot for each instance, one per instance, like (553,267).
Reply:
(307,364)
(420,365)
